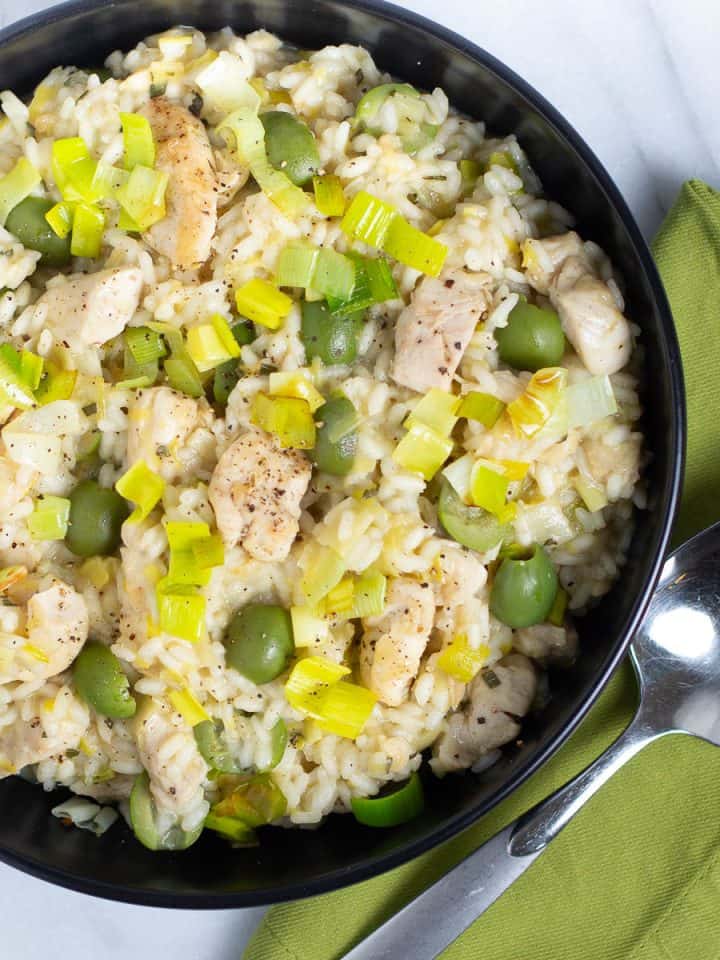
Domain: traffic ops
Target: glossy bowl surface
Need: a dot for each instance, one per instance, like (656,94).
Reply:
(300,863)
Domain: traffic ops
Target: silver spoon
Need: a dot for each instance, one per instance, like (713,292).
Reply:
(676,656)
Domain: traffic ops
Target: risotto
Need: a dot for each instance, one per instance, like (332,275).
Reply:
(319,426)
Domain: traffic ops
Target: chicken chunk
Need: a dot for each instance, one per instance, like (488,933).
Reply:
(56,627)
(255,491)
(547,643)
(185,234)
(50,722)
(543,258)
(169,753)
(90,309)
(433,331)
(497,698)
(161,424)
(587,309)
(394,642)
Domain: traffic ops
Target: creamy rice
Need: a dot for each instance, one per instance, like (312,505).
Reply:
(477,196)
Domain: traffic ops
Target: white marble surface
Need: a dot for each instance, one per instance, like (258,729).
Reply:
(639,80)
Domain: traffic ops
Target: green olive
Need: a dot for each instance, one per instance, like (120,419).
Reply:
(144,821)
(336,439)
(290,146)
(96,516)
(332,339)
(27,221)
(471,526)
(260,642)
(532,339)
(101,682)
(523,591)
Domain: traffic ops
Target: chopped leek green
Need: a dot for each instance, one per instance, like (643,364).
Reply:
(368,219)
(369,598)
(462,661)
(249,135)
(533,408)
(322,570)
(339,600)
(87,231)
(49,519)
(414,248)
(589,401)
(138,143)
(143,196)
(184,568)
(483,407)
(224,380)
(55,384)
(321,269)
(136,383)
(263,303)
(228,373)
(404,803)
(145,344)
(297,384)
(74,170)
(188,706)
(287,418)
(344,709)
(488,489)
(310,677)
(380,225)
(60,218)
(208,551)
(31,368)
(207,350)
(501,158)
(224,85)
(557,612)
(181,612)
(14,386)
(180,370)
(329,196)
(422,450)
(513,469)
(593,494)
(309,629)
(143,487)
(438,409)
(371,102)
(470,170)
(12,575)
(16,185)
(373,284)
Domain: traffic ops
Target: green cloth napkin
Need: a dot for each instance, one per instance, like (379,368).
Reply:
(636,875)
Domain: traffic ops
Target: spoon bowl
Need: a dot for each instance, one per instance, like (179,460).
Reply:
(676,653)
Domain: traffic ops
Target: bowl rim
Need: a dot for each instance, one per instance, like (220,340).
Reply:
(378,864)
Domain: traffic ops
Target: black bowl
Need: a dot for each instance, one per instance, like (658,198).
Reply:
(300,863)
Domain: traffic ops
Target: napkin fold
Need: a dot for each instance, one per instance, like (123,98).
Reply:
(636,875)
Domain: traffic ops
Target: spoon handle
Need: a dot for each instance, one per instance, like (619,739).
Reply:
(433,920)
